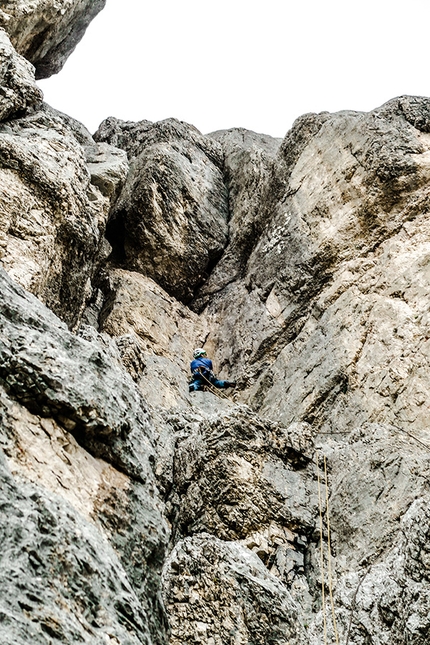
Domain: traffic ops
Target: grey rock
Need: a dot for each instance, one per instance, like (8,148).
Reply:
(60,579)
(108,168)
(52,218)
(163,332)
(18,89)
(220,593)
(241,478)
(170,221)
(106,163)
(387,601)
(343,218)
(46,32)
(248,164)
(56,374)
(315,299)
(130,136)
(56,396)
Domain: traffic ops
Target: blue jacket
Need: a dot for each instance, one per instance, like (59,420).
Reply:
(204,363)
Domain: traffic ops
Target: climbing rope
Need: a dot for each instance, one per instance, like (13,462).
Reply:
(321,552)
(353,604)
(390,425)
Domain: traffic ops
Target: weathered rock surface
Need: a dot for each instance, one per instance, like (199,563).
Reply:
(57,374)
(94,545)
(52,217)
(220,593)
(328,300)
(18,89)
(46,32)
(381,476)
(170,221)
(156,335)
(248,163)
(236,476)
(305,263)
(60,580)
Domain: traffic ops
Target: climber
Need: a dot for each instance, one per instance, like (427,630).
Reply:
(201,369)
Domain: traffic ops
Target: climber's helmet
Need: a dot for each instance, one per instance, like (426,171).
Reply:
(199,352)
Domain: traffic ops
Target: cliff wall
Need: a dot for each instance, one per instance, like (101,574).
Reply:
(294,510)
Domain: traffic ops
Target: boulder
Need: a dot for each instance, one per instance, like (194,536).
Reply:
(53,217)
(237,475)
(18,89)
(170,221)
(46,32)
(130,136)
(248,163)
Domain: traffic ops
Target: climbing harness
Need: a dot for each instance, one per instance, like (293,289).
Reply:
(329,568)
(215,390)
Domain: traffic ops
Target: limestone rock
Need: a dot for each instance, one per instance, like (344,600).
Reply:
(238,475)
(59,579)
(108,168)
(18,89)
(345,220)
(220,593)
(83,531)
(165,333)
(71,513)
(170,221)
(107,164)
(314,297)
(130,136)
(378,546)
(46,32)
(57,374)
(390,472)
(248,164)
(53,218)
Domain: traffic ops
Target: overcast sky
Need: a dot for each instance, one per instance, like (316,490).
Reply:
(236,63)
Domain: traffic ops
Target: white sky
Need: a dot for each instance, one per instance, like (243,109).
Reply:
(231,63)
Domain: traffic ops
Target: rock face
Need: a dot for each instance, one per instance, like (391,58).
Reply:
(47,31)
(154,334)
(170,221)
(294,511)
(54,208)
(345,222)
(251,606)
(67,512)
(248,163)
